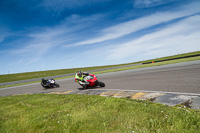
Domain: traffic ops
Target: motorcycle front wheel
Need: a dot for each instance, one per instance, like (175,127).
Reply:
(101,84)
(57,85)
(85,86)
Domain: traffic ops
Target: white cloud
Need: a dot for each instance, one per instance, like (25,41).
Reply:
(60,5)
(131,26)
(4,32)
(40,41)
(2,37)
(43,40)
(150,3)
(180,37)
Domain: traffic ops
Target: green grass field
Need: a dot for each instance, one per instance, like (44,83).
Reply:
(40,113)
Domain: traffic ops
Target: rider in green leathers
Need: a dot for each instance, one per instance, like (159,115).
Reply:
(79,78)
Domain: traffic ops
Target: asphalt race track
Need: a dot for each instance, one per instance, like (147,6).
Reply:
(180,77)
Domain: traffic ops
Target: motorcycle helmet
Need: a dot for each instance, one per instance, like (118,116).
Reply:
(80,73)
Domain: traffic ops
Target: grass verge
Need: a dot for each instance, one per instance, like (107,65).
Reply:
(121,69)
(40,74)
(73,113)
(151,65)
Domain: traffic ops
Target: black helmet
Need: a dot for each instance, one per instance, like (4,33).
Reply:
(80,73)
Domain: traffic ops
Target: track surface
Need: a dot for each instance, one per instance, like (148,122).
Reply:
(180,77)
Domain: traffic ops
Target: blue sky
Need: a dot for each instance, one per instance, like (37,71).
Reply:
(57,34)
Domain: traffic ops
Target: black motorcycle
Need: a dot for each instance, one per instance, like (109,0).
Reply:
(49,83)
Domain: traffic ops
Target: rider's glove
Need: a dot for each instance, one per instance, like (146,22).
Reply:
(77,80)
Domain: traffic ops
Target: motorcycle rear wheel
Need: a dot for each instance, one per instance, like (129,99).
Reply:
(85,86)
